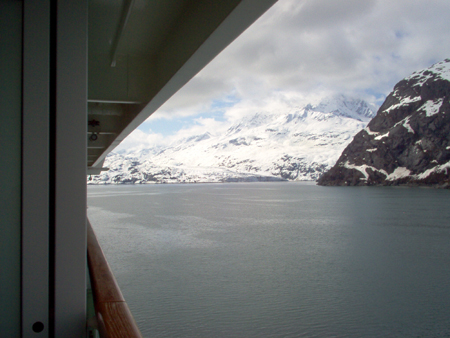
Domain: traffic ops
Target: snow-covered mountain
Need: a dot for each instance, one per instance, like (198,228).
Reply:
(408,142)
(290,143)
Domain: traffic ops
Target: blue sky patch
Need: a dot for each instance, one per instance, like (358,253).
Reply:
(168,127)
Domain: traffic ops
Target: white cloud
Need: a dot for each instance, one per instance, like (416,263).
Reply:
(200,127)
(311,47)
(139,139)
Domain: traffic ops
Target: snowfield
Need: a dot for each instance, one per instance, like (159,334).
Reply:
(289,143)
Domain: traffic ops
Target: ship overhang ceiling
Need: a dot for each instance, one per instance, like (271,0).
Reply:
(141,52)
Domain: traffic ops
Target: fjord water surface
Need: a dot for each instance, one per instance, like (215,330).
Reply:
(278,259)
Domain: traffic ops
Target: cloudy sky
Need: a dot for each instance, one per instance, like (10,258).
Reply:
(300,50)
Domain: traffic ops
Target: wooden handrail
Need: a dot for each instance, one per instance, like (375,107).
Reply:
(113,315)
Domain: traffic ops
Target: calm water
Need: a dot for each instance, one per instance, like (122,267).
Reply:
(278,259)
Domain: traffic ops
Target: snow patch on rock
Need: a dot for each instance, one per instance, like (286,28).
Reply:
(363,169)
(398,173)
(431,107)
(369,132)
(405,123)
(436,169)
(440,70)
(403,102)
(382,136)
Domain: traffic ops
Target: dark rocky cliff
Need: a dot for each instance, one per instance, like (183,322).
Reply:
(408,142)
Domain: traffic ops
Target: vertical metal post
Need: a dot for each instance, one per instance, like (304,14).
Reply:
(35,169)
(10,155)
(70,130)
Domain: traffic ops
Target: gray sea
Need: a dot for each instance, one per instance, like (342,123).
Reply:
(278,259)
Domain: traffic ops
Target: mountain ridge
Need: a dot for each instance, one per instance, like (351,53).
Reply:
(289,143)
(408,141)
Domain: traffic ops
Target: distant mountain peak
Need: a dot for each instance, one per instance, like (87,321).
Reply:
(290,143)
(341,105)
(198,138)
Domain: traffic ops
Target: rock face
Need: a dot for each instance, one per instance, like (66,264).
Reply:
(288,142)
(408,142)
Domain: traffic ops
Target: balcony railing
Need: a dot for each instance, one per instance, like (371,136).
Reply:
(113,316)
